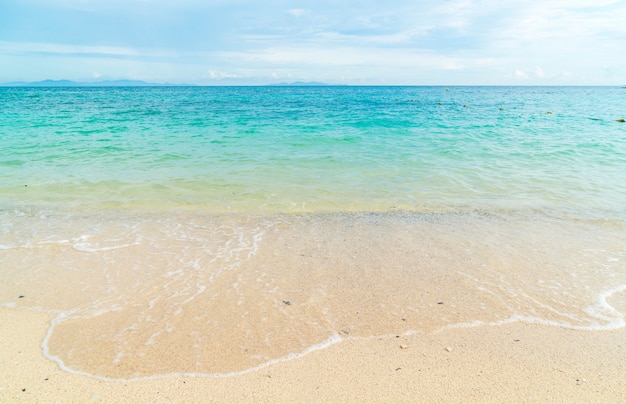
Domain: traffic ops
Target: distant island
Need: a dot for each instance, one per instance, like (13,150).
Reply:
(103,83)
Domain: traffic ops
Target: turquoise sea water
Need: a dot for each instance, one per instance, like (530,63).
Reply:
(213,231)
(295,149)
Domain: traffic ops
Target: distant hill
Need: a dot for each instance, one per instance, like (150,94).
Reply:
(104,83)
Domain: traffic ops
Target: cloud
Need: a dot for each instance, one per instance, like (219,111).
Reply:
(297,12)
(539,72)
(406,62)
(482,41)
(359,39)
(534,73)
(216,74)
(452,65)
(520,74)
(65,49)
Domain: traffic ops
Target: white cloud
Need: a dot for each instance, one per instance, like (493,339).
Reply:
(398,37)
(363,65)
(452,65)
(482,41)
(216,74)
(520,74)
(297,12)
(66,49)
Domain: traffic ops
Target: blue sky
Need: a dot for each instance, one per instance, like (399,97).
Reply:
(215,42)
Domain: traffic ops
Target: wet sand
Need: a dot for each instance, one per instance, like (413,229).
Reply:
(507,363)
(346,307)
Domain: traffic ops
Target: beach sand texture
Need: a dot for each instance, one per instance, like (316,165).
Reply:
(506,363)
(373,307)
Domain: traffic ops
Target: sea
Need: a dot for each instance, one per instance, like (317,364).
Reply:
(212,231)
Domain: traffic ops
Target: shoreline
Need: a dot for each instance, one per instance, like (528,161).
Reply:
(613,324)
(209,296)
(257,209)
(514,362)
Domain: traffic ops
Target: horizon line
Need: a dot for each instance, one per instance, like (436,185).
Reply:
(142,83)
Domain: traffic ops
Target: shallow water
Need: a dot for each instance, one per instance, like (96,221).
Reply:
(271,149)
(211,231)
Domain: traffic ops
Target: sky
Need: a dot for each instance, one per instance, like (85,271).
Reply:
(364,42)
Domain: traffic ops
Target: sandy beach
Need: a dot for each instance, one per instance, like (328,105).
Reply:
(508,363)
(339,308)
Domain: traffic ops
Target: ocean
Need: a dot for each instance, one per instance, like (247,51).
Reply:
(210,231)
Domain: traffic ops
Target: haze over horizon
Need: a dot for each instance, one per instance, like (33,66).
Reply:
(239,42)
